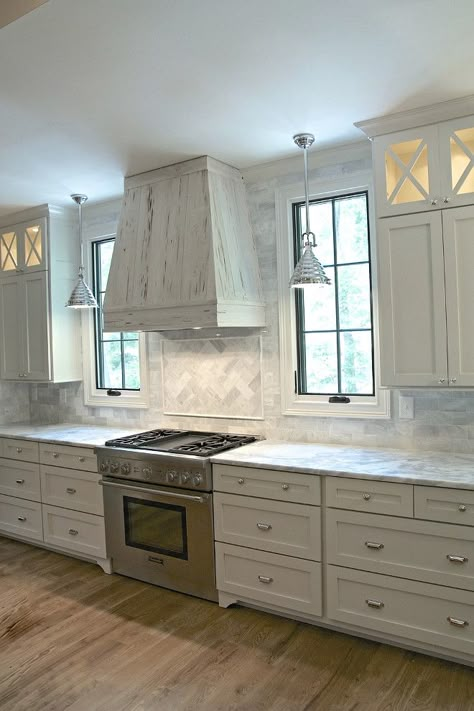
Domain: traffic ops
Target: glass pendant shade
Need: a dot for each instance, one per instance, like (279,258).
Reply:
(309,269)
(81,296)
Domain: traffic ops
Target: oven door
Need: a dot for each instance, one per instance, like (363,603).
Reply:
(161,535)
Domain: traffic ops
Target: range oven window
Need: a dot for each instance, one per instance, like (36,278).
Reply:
(153,526)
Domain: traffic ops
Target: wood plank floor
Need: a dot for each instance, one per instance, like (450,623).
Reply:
(75,639)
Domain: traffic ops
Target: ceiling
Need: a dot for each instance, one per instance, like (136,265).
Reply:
(92,91)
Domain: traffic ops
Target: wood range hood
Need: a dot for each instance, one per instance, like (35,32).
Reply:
(184,256)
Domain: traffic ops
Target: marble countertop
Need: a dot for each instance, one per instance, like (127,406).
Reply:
(430,468)
(65,433)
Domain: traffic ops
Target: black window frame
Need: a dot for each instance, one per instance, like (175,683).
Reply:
(300,373)
(98,330)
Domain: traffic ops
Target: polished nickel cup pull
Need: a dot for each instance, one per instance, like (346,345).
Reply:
(457,623)
(457,558)
(265,579)
(264,526)
(374,546)
(70,490)
(366,497)
(73,532)
(20,481)
(375,603)
(22,518)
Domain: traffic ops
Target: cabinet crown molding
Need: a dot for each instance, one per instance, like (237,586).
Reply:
(421,116)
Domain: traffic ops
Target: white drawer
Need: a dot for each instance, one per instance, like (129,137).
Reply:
(419,550)
(267,483)
(21,518)
(75,531)
(417,611)
(383,497)
(450,505)
(71,489)
(275,526)
(21,449)
(279,580)
(61,455)
(21,479)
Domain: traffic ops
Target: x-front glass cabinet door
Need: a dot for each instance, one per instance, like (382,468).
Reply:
(407,172)
(456,144)
(23,248)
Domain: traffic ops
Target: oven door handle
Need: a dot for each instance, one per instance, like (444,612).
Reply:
(137,489)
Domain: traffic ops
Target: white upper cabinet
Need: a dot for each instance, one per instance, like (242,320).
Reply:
(425,168)
(23,247)
(39,337)
(426,292)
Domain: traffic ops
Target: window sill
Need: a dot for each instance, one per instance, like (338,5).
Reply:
(129,401)
(378,407)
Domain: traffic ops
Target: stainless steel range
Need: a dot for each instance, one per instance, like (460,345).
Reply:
(158,506)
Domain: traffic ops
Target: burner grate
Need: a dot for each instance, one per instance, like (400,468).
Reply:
(142,438)
(213,444)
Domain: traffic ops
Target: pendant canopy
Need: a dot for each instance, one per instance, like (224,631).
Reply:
(309,269)
(81,296)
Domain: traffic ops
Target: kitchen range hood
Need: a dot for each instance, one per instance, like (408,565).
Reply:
(184,255)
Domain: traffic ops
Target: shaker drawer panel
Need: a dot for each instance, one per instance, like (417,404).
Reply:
(61,455)
(71,489)
(21,479)
(21,518)
(267,483)
(383,497)
(21,449)
(418,550)
(450,505)
(289,583)
(290,529)
(75,531)
(417,611)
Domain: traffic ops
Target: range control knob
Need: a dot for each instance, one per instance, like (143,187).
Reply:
(172,476)
(197,479)
(104,466)
(114,467)
(185,477)
(125,468)
(146,471)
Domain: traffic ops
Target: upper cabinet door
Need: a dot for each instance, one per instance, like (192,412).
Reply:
(407,173)
(36,333)
(412,311)
(456,145)
(12,361)
(458,227)
(23,248)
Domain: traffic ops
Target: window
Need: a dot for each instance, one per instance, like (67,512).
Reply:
(329,335)
(117,355)
(114,364)
(334,325)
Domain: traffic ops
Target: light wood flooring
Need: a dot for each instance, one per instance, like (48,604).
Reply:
(75,639)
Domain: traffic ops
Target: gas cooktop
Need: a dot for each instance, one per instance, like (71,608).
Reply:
(185,442)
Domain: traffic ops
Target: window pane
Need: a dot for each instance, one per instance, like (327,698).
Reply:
(354,296)
(112,365)
(321,362)
(320,306)
(132,364)
(320,217)
(106,250)
(356,362)
(350,216)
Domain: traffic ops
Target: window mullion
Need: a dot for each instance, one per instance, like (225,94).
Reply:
(336,298)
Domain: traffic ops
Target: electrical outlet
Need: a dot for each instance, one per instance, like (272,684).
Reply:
(406,407)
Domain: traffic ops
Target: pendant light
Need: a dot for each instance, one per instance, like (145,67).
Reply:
(81,297)
(309,269)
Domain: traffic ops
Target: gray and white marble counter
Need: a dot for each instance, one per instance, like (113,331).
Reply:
(65,433)
(430,468)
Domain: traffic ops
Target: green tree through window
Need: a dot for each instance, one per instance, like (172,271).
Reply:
(334,323)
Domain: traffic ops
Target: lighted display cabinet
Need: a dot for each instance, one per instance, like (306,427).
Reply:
(39,337)
(425,168)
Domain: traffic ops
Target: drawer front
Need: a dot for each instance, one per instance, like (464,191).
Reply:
(75,531)
(419,550)
(275,526)
(417,611)
(21,449)
(290,583)
(71,489)
(450,505)
(383,497)
(267,483)
(21,479)
(60,455)
(21,518)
